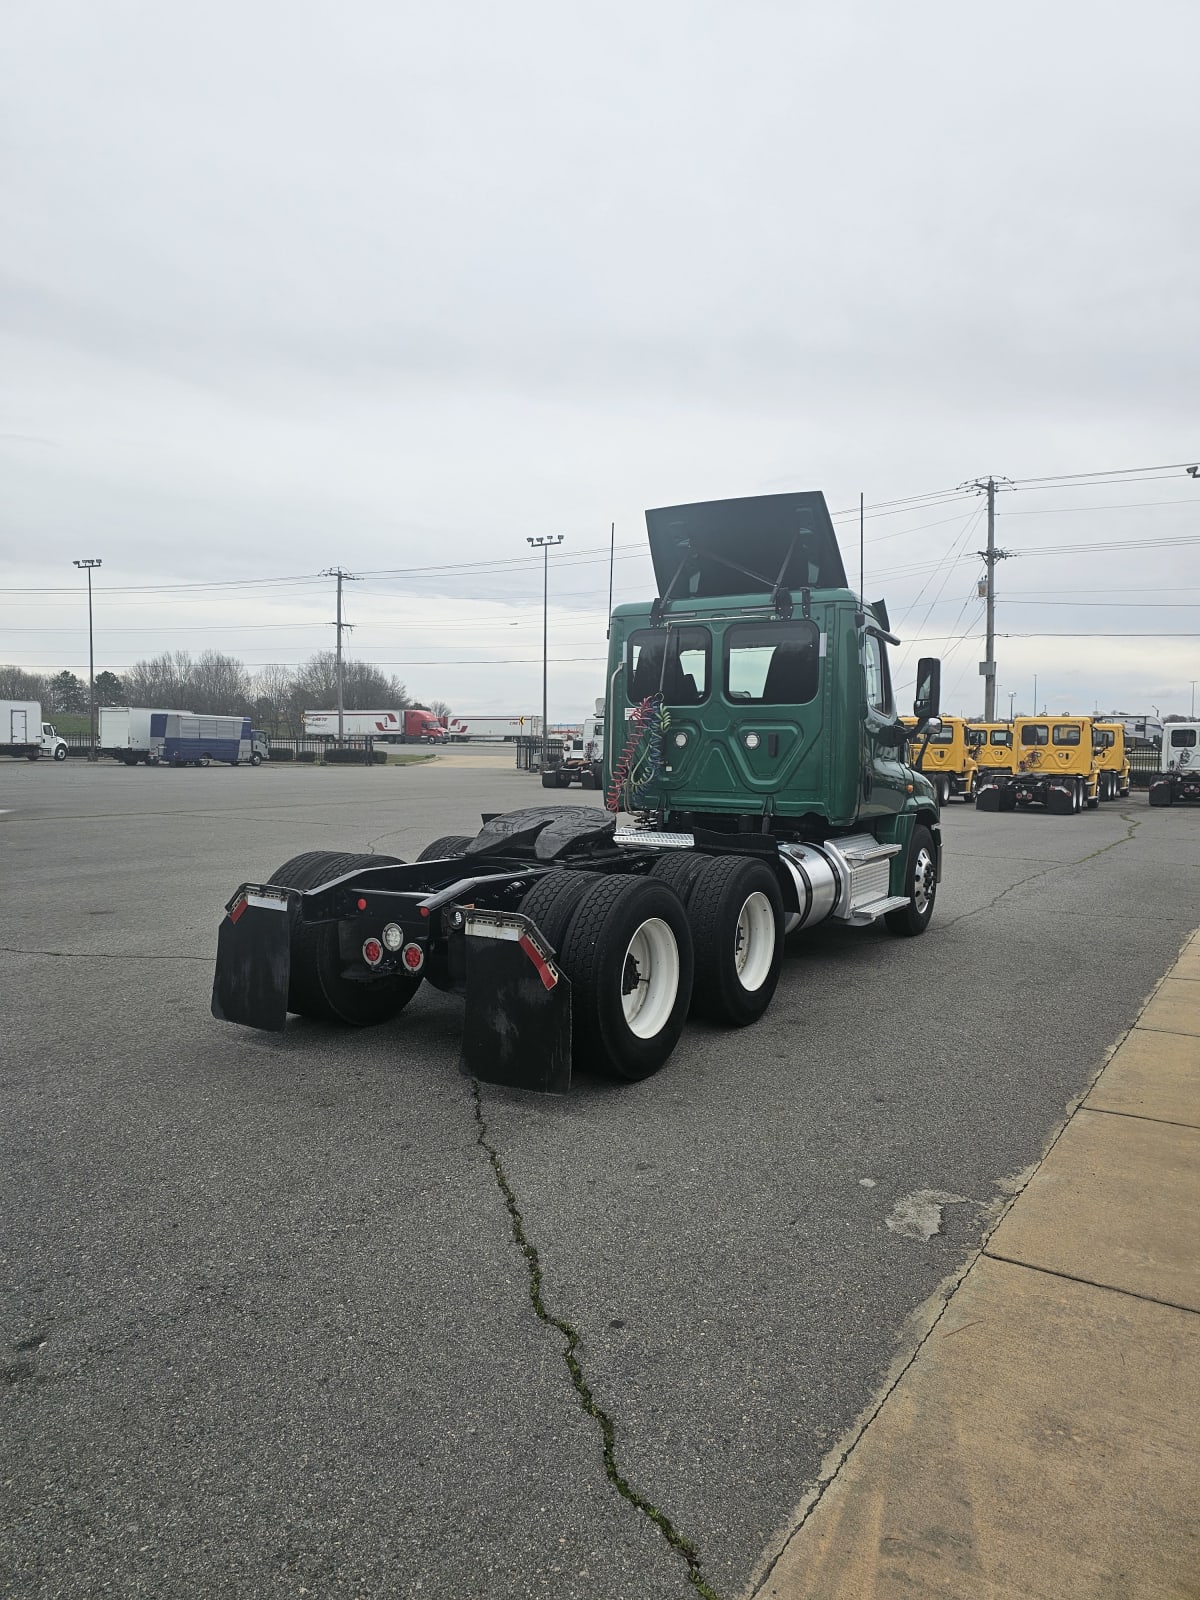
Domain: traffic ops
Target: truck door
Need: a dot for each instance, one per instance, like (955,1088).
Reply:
(884,775)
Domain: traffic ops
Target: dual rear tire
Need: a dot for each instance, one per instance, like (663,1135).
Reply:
(735,908)
(318,987)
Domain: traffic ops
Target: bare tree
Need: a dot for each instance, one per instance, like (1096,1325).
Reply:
(17,684)
(220,684)
(164,681)
(364,687)
(273,707)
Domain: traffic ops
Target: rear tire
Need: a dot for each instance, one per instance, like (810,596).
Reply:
(450,844)
(316,986)
(735,908)
(920,885)
(628,954)
(551,903)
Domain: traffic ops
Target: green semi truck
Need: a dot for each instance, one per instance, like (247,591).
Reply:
(756,784)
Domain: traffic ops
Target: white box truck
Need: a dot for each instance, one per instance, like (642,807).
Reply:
(23,733)
(125,734)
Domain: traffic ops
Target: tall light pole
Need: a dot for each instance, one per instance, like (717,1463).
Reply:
(91,755)
(990,556)
(543,544)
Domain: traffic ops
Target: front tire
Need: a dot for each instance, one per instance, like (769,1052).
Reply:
(628,954)
(317,987)
(60,752)
(920,885)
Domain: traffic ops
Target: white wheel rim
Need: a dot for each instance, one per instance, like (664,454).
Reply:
(754,941)
(650,978)
(924,881)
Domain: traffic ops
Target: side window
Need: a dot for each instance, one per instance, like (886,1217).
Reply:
(1035,733)
(1066,733)
(772,663)
(1183,738)
(878,678)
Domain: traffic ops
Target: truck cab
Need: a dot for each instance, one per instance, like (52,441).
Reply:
(582,758)
(754,695)
(947,756)
(1054,766)
(1112,759)
(1179,780)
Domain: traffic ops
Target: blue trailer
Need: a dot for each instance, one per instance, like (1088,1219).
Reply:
(183,739)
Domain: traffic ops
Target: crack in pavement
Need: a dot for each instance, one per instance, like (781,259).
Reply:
(1134,823)
(102,955)
(679,1542)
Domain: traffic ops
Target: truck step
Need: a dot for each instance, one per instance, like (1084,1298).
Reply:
(862,915)
(860,849)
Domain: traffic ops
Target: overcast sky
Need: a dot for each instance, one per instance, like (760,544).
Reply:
(387,286)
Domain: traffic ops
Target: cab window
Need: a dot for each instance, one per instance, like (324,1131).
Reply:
(1035,733)
(1183,738)
(673,662)
(772,663)
(878,678)
(1002,736)
(1067,733)
(944,735)
(1103,739)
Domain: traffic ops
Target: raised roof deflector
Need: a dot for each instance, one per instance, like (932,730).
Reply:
(755,534)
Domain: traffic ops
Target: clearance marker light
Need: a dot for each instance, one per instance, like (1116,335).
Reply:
(362,905)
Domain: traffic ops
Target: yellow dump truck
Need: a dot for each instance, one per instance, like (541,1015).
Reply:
(1054,765)
(946,759)
(1112,759)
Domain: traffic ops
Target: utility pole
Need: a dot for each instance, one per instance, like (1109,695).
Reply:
(91,755)
(336,572)
(990,556)
(543,544)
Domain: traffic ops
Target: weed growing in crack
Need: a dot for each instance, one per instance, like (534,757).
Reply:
(678,1541)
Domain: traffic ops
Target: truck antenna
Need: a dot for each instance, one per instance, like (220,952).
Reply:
(862,560)
(612,547)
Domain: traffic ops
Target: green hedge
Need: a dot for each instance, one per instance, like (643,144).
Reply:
(336,756)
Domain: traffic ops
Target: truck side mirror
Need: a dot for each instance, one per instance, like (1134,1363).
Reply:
(929,688)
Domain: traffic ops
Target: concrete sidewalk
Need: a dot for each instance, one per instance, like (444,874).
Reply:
(1045,1440)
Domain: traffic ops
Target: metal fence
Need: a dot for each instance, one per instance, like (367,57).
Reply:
(529,752)
(1144,764)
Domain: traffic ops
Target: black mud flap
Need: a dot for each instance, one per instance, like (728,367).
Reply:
(517,1027)
(250,984)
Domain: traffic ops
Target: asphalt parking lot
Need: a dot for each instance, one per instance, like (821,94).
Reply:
(267,1317)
